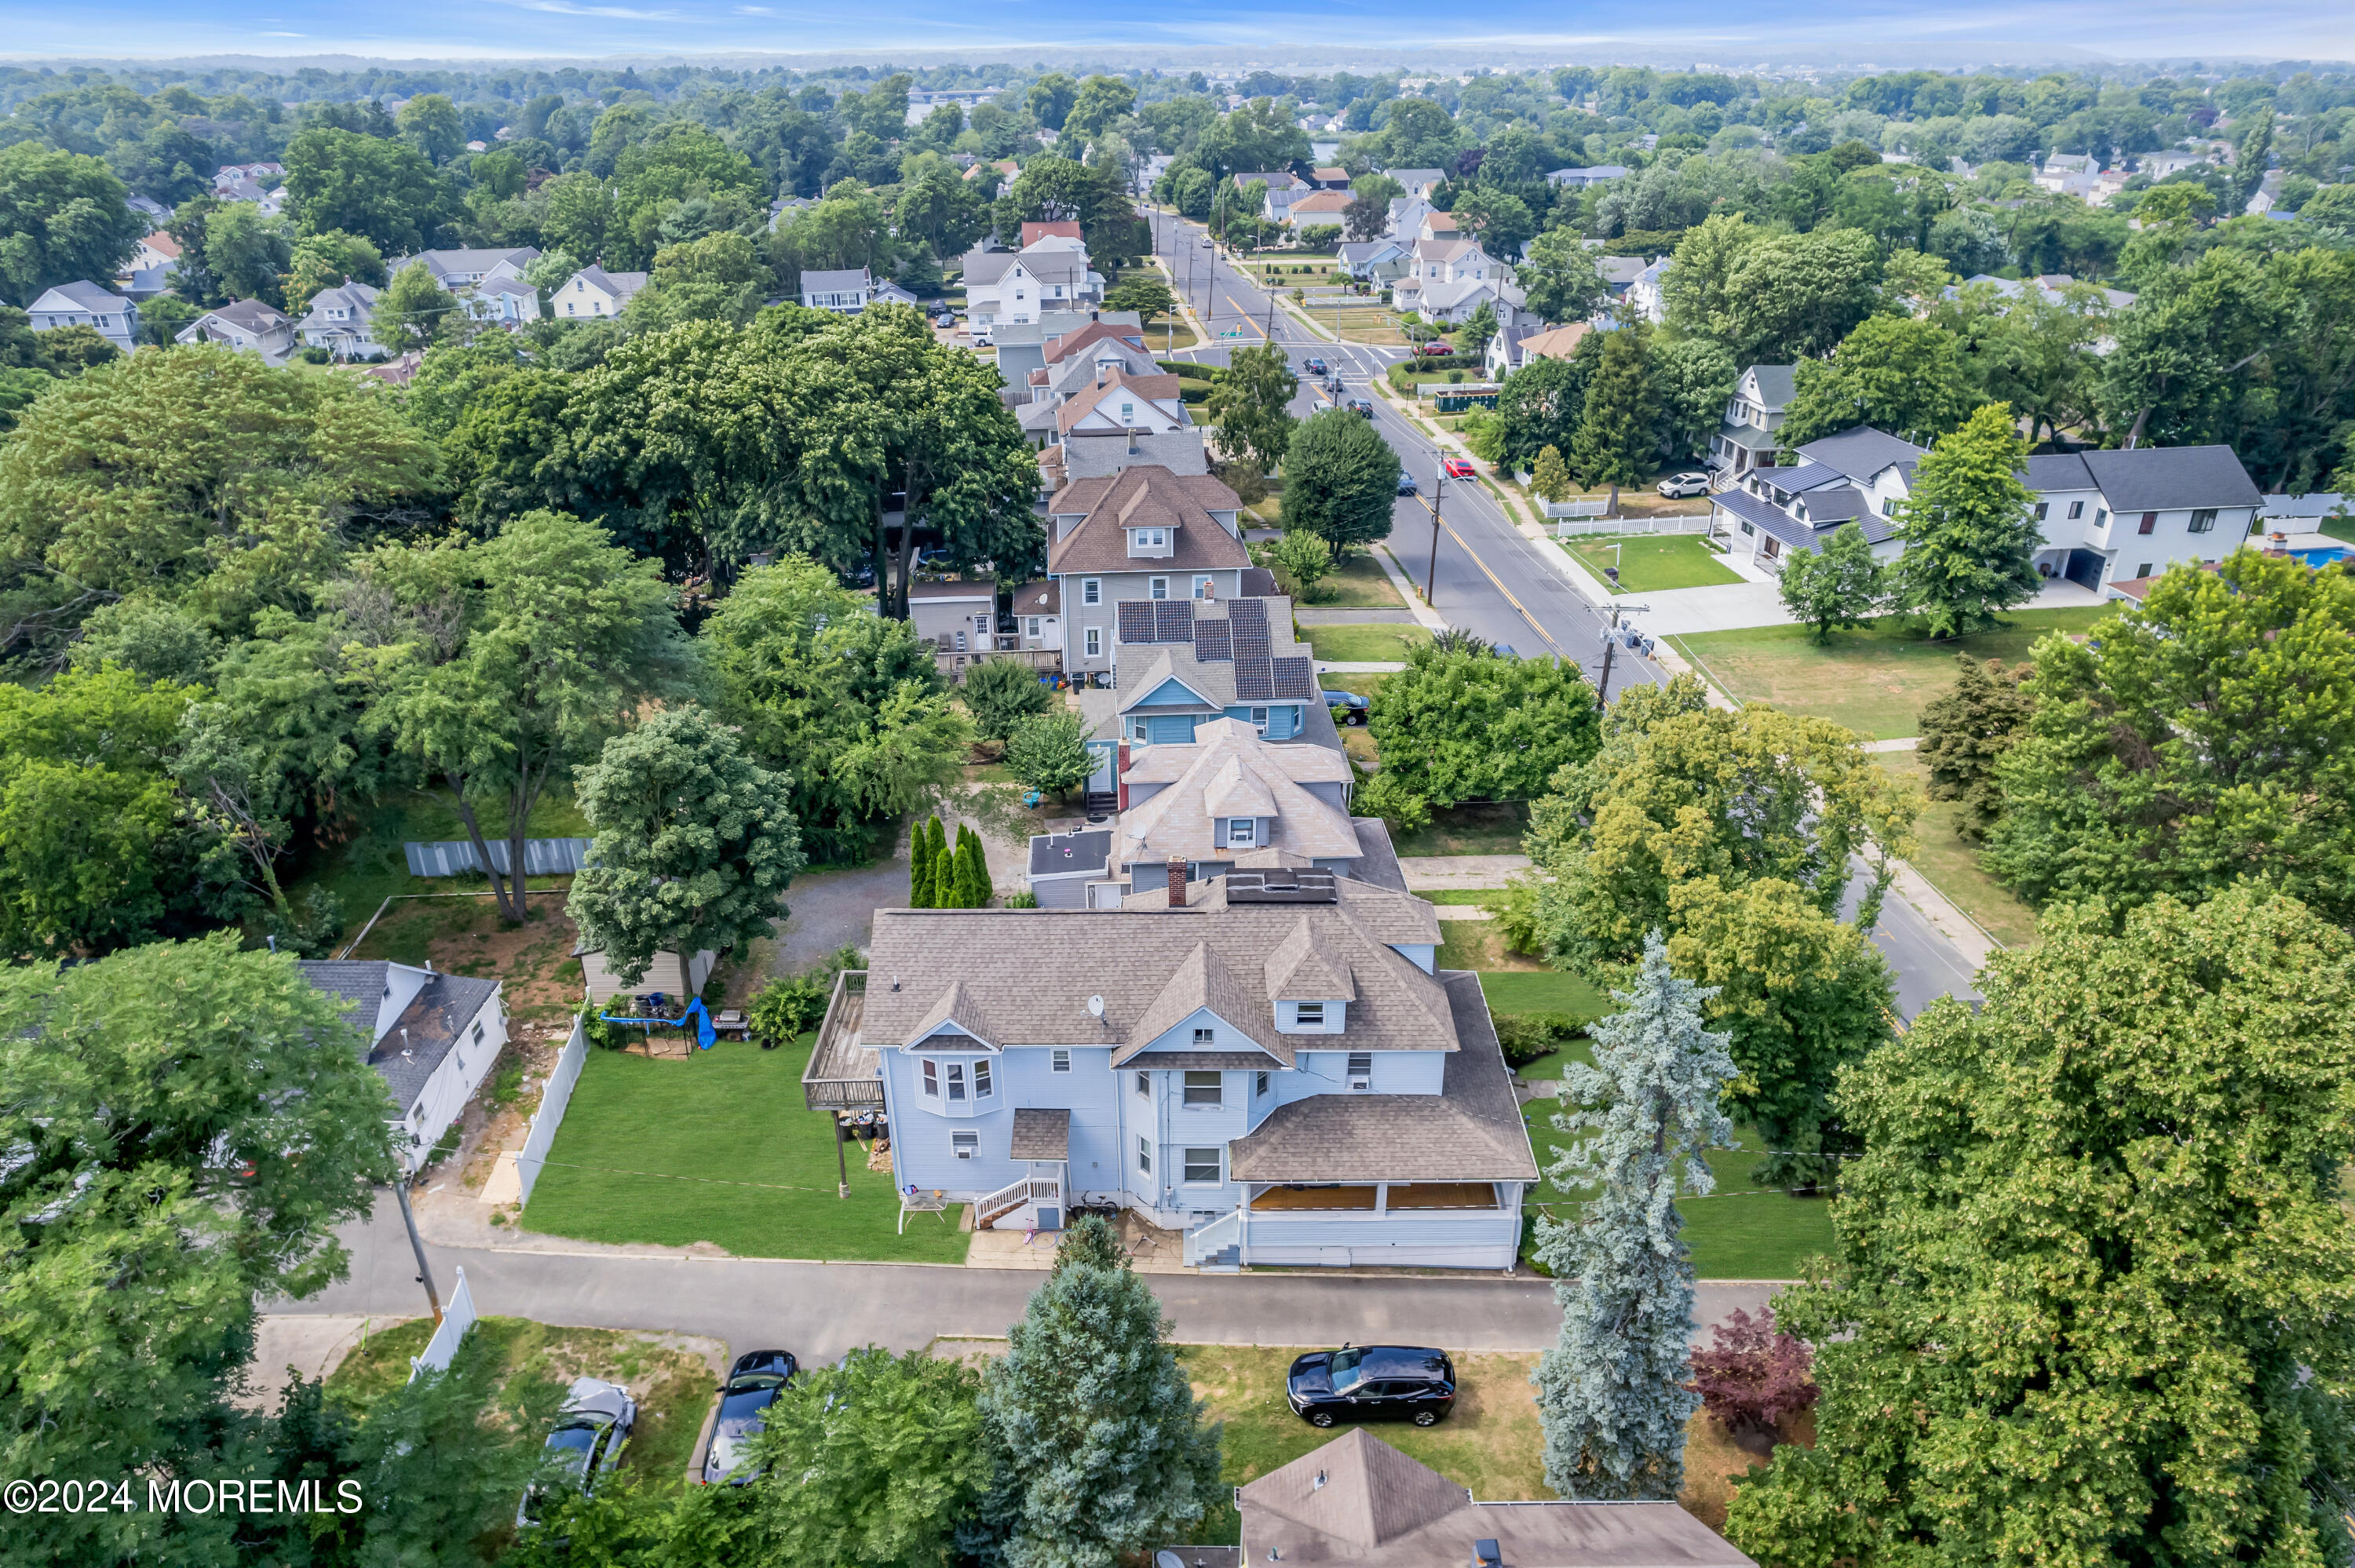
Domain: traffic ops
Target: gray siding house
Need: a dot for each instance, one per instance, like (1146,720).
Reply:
(1142,535)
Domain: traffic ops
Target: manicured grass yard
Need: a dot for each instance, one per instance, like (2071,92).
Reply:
(1953,864)
(1363,644)
(672,1386)
(1737,1231)
(1875,681)
(760,1167)
(1360,584)
(1489,1442)
(1650,563)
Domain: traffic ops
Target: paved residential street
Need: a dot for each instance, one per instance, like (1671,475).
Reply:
(818,1310)
(1491,578)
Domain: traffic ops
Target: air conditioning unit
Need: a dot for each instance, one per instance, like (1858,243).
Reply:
(1361,1083)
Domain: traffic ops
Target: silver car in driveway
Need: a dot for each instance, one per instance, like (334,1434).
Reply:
(592,1428)
(753,1384)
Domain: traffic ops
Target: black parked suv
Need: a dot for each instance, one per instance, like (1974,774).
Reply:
(1371,1382)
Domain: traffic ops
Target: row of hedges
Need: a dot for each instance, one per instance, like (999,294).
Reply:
(1185,368)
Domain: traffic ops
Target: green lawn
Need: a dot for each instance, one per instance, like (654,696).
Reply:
(1875,681)
(1492,829)
(1363,644)
(2338,528)
(1953,865)
(1651,563)
(1360,584)
(363,871)
(762,1169)
(1466,897)
(1543,990)
(1489,1443)
(1738,1232)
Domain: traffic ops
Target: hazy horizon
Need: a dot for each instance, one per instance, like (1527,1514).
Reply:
(1768,32)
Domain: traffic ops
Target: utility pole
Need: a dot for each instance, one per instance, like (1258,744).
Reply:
(1430,576)
(424,1270)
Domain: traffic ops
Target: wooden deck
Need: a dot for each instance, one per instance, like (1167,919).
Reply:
(842,1069)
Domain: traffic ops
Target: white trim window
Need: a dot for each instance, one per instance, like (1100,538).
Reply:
(1143,1085)
(1259,1085)
(1361,1070)
(1144,1156)
(1241,832)
(1202,586)
(931,1079)
(1203,1167)
(1205,1091)
(1096,642)
(965,1145)
(1090,590)
(982,1088)
(1059,1062)
(956,1083)
(1157,587)
(1304,1015)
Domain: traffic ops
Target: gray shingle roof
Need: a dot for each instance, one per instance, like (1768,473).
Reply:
(85,296)
(428,1029)
(842,281)
(1470,1131)
(1029,973)
(1776,383)
(1146,495)
(1062,855)
(2153,478)
(1862,452)
(1042,1133)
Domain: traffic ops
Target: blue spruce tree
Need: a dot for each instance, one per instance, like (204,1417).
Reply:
(1610,1393)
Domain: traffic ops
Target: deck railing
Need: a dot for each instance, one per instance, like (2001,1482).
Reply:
(842,1069)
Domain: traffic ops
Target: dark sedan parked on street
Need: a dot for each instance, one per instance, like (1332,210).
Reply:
(753,1384)
(1371,1382)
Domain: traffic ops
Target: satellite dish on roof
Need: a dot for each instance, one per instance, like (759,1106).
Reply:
(1096,1006)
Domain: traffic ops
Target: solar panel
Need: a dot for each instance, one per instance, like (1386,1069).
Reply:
(1135,620)
(1210,643)
(1174,620)
(1295,680)
(1247,627)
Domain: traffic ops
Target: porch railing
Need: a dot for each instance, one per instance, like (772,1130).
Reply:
(1031,1191)
(1211,1237)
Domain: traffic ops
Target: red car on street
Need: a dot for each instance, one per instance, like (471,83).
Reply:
(1459,468)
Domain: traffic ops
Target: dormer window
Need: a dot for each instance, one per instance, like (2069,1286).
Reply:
(1308,1015)
(1242,832)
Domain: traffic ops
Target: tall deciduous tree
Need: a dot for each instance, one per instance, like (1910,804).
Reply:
(1340,480)
(1248,404)
(1835,588)
(1470,725)
(1540,404)
(567,636)
(886,1457)
(62,217)
(1559,278)
(1970,537)
(414,309)
(383,191)
(694,845)
(2090,1299)
(1897,374)
(1050,752)
(1001,693)
(1612,1392)
(2200,739)
(188,1124)
(1100,1446)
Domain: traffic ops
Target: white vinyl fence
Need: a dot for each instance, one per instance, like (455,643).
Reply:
(454,857)
(1560,509)
(2316,504)
(456,1318)
(550,1115)
(1579,527)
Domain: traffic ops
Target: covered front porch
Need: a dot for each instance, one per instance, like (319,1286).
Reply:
(1444,1224)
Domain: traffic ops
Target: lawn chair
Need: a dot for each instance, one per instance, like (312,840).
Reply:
(913,1202)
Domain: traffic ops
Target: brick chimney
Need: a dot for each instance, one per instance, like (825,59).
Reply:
(1123,775)
(1177,883)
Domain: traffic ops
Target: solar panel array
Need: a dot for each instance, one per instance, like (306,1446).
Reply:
(1247,629)
(1210,644)
(1295,680)
(1156,621)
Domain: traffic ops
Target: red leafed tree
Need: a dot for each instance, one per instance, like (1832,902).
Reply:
(1752,1378)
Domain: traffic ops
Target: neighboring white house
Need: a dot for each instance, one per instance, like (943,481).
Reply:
(2106,517)
(846,292)
(249,326)
(1645,302)
(1318,213)
(458,269)
(339,321)
(432,1037)
(509,302)
(1752,415)
(1592,174)
(86,304)
(1018,286)
(158,249)
(1038,616)
(958,617)
(230,174)
(1418,183)
(1119,402)
(593,291)
(1448,279)
(1372,260)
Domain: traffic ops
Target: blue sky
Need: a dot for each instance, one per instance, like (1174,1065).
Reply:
(1729,31)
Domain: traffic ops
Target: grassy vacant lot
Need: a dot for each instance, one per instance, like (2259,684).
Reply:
(1490,1442)
(1369,324)
(1875,681)
(1363,644)
(1737,1231)
(1359,584)
(362,871)
(1953,864)
(1651,563)
(1494,828)
(673,1387)
(718,1148)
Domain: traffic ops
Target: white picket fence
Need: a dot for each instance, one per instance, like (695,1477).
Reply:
(1573,527)
(1561,508)
(550,1115)
(456,1318)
